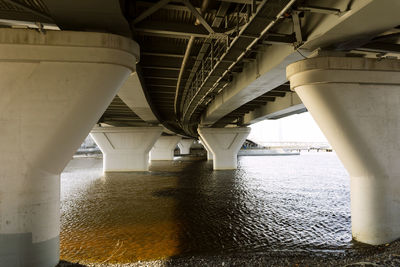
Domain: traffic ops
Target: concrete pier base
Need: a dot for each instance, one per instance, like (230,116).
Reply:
(125,149)
(164,148)
(53,87)
(184,146)
(356,103)
(209,152)
(224,143)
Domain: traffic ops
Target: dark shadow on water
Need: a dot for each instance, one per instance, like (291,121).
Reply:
(209,209)
(69,264)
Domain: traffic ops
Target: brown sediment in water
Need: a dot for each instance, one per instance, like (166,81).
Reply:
(113,228)
(121,243)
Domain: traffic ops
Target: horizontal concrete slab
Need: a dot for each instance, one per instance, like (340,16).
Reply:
(267,71)
(281,107)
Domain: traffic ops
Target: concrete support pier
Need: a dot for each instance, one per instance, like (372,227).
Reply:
(164,148)
(53,87)
(224,143)
(125,149)
(184,146)
(209,153)
(356,103)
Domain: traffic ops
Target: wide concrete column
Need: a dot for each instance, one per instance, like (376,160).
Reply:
(53,88)
(184,146)
(125,148)
(164,148)
(209,153)
(356,103)
(224,143)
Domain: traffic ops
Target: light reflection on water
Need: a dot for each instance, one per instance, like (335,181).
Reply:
(184,208)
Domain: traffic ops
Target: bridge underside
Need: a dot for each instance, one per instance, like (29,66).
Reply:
(203,65)
(216,63)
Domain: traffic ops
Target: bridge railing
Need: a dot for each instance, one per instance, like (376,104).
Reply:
(217,48)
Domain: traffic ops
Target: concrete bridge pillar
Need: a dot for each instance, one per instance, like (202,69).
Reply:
(209,153)
(224,143)
(184,146)
(125,148)
(53,89)
(356,103)
(164,148)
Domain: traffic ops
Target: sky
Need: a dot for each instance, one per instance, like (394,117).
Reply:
(295,128)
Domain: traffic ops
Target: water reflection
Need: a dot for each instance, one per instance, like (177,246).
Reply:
(269,204)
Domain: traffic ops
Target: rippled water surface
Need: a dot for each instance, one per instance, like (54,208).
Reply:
(270,203)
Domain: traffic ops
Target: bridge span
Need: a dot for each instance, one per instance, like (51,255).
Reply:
(153,74)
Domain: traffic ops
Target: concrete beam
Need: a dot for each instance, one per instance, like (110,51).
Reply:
(209,152)
(224,144)
(125,149)
(281,107)
(364,20)
(184,146)
(164,148)
(94,15)
(258,77)
(268,69)
(131,93)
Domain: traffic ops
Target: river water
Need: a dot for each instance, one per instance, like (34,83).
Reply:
(270,203)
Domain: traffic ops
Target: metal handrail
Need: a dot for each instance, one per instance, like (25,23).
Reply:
(195,89)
